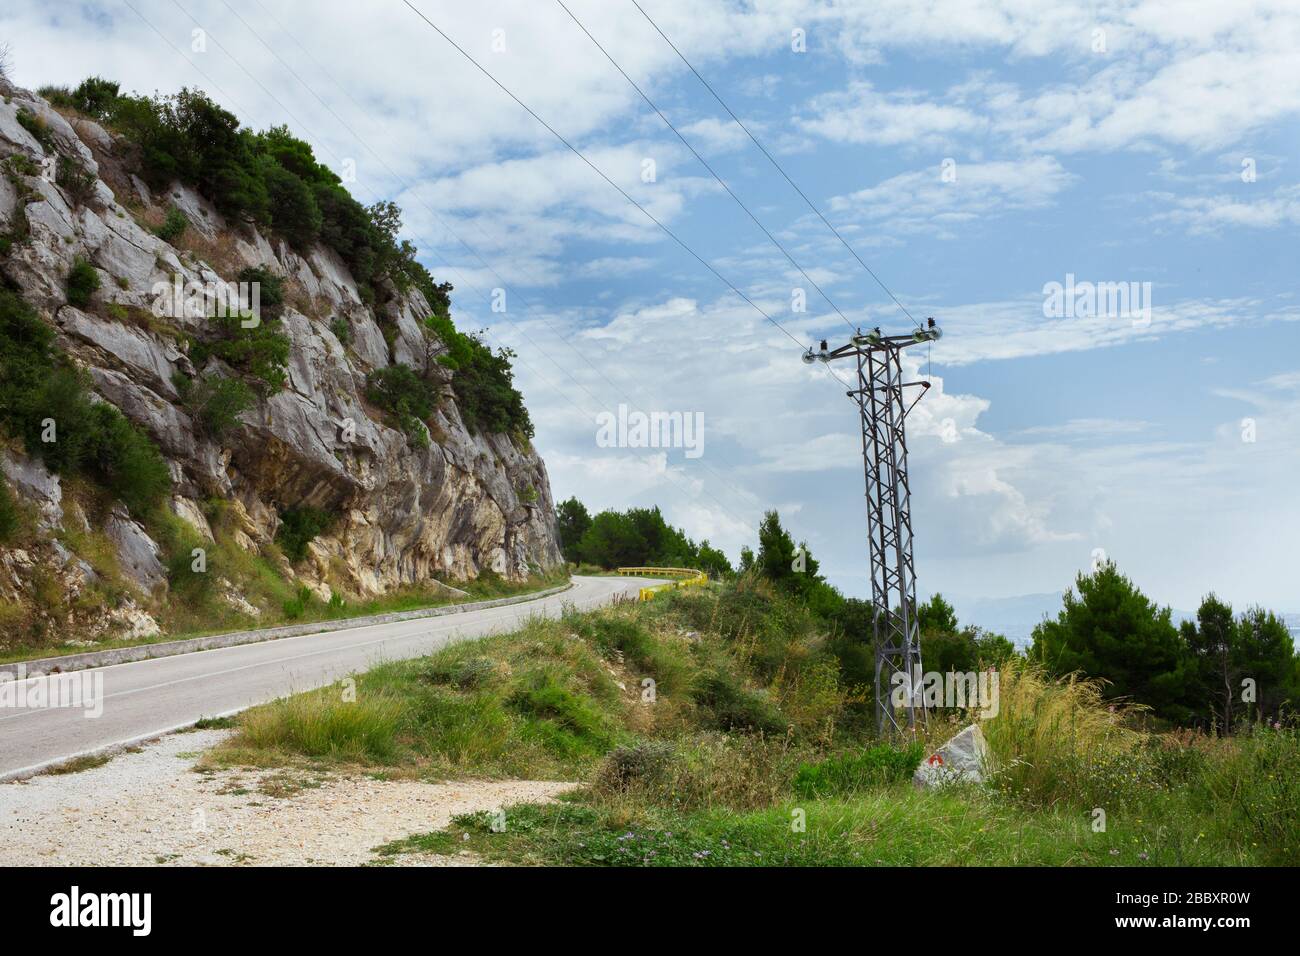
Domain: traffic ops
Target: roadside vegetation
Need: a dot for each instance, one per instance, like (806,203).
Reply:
(202,603)
(723,727)
(1219,672)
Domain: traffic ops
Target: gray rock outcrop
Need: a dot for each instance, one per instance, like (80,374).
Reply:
(466,503)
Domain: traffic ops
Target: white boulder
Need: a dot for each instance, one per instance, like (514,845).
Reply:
(964,758)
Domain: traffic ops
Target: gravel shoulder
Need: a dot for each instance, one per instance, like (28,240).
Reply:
(149,807)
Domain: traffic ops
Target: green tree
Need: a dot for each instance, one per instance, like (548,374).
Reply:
(95,96)
(292,207)
(1111,630)
(612,541)
(1265,652)
(1212,690)
(574,520)
(712,561)
(937,615)
(993,650)
(792,568)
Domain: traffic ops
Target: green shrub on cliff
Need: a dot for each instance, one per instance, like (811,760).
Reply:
(47,403)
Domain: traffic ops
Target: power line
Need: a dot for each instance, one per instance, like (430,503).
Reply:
(703,162)
(406,186)
(586,413)
(577,152)
(474,252)
(778,166)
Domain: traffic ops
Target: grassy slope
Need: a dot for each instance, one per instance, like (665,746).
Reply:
(756,749)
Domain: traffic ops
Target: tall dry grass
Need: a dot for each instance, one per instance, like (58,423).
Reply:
(1058,740)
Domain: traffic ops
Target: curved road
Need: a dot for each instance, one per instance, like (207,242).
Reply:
(143,699)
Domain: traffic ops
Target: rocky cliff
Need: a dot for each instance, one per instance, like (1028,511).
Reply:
(401,514)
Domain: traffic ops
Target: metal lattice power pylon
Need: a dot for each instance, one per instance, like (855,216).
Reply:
(883,402)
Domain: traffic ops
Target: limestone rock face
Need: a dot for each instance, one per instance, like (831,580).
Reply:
(136,551)
(964,758)
(405,514)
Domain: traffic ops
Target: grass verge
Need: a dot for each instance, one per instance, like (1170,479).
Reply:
(721,727)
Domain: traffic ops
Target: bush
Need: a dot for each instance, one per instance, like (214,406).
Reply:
(298,526)
(260,351)
(179,540)
(407,397)
(94,97)
(342,330)
(215,403)
(647,762)
(125,460)
(83,282)
(93,438)
(735,707)
(1058,740)
(699,772)
(296,606)
(9,518)
(270,291)
(173,226)
(76,180)
(849,773)
(483,380)
(37,126)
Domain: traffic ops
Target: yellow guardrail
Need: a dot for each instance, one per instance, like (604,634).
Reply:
(686,578)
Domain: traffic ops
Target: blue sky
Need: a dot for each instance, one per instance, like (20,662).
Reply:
(1042,440)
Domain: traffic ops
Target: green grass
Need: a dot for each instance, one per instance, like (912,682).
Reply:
(854,771)
(534,704)
(893,826)
(325,724)
(751,751)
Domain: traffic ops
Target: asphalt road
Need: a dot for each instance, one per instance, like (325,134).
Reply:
(143,699)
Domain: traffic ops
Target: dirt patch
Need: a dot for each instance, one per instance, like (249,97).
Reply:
(151,808)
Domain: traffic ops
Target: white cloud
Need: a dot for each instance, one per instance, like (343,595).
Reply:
(928,201)
(861,114)
(1213,214)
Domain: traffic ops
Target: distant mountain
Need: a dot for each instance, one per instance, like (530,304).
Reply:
(1014,617)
